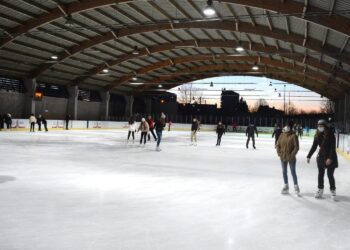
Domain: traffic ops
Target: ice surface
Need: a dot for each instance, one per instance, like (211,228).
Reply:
(89,190)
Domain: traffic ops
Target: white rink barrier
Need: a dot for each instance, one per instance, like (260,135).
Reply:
(75,124)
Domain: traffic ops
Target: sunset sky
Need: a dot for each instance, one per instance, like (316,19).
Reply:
(254,88)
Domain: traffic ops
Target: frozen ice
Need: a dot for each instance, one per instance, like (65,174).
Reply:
(89,190)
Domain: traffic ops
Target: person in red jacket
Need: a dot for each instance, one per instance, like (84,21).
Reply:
(150,122)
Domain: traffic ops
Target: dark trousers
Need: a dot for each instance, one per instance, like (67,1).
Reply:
(143,137)
(219,139)
(131,133)
(248,140)
(45,126)
(321,164)
(67,123)
(39,126)
(32,126)
(8,125)
(159,135)
(154,135)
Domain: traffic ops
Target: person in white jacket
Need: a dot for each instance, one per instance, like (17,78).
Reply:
(144,128)
(132,129)
(32,121)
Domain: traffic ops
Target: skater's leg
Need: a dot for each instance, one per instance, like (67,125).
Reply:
(154,135)
(330,174)
(321,172)
(284,172)
(133,135)
(292,165)
(149,136)
(129,133)
(247,144)
(192,135)
(253,139)
(219,139)
(144,137)
(195,136)
(159,135)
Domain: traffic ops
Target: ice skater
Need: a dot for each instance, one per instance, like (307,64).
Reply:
(131,129)
(39,121)
(194,130)
(300,131)
(8,120)
(159,126)
(287,148)
(144,128)
(32,121)
(150,122)
(327,158)
(67,121)
(251,129)
(220,130)
(44,121)
(277,132)
(169,125)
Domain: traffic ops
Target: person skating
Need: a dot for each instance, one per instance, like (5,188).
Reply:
(194,130)
(8,120)
(67,121)
(131,129)
(287,148)
(44,121)
(150,122)
(169,125)
(220,130)
(300,131)
(277,132)
(327,159)
(159,126)
(144,128)
(251,129)
(32,121)
(39,121)
(2,122)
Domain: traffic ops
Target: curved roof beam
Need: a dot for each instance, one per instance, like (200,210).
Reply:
(297,79)
(217,25)
(292,8)
(327,68)
(188,59)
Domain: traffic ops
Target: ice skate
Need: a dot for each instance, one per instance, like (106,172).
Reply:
(297,190)
(319,194)
(285,189)
(158,149)
(333,195)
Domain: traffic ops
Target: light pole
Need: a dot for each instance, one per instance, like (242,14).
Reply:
(284,99)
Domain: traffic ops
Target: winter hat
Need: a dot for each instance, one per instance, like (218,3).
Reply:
(143,119)
(322,122)
(163,116)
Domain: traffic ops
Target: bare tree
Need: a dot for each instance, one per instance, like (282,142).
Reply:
(258,103)
(328,107)
(190,94)
(292,110)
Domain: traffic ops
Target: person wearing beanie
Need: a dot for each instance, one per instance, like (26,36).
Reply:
(32,121)
(220,130)
(144,128)
(251,129)
(287,148)
(194,130)
(150,122)
(327,159)
(159,126)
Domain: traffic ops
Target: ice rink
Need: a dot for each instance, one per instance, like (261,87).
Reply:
(89,190)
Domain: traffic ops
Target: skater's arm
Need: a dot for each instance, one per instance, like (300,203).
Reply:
(278,147)
(296,145)
(313,148)
(256,131)
(332,152)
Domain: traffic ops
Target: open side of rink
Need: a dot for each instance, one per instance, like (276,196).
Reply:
(90,190)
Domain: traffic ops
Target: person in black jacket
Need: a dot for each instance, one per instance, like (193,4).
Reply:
(220,130)
(8,120)
(39,121)
(194,130)
(251,129)
(43,120)
(2,122)
(159,126)
(277,132)
(67,121)
(327,158)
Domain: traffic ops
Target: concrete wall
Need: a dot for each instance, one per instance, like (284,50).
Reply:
(88,110)
(52,107)
(12,103)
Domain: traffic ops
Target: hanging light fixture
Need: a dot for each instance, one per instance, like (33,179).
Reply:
(69,21)
(105,70)
(135,51)
(209,9)
(160,86)
(255,67)
(54,57)
(239,48)
(211,84)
